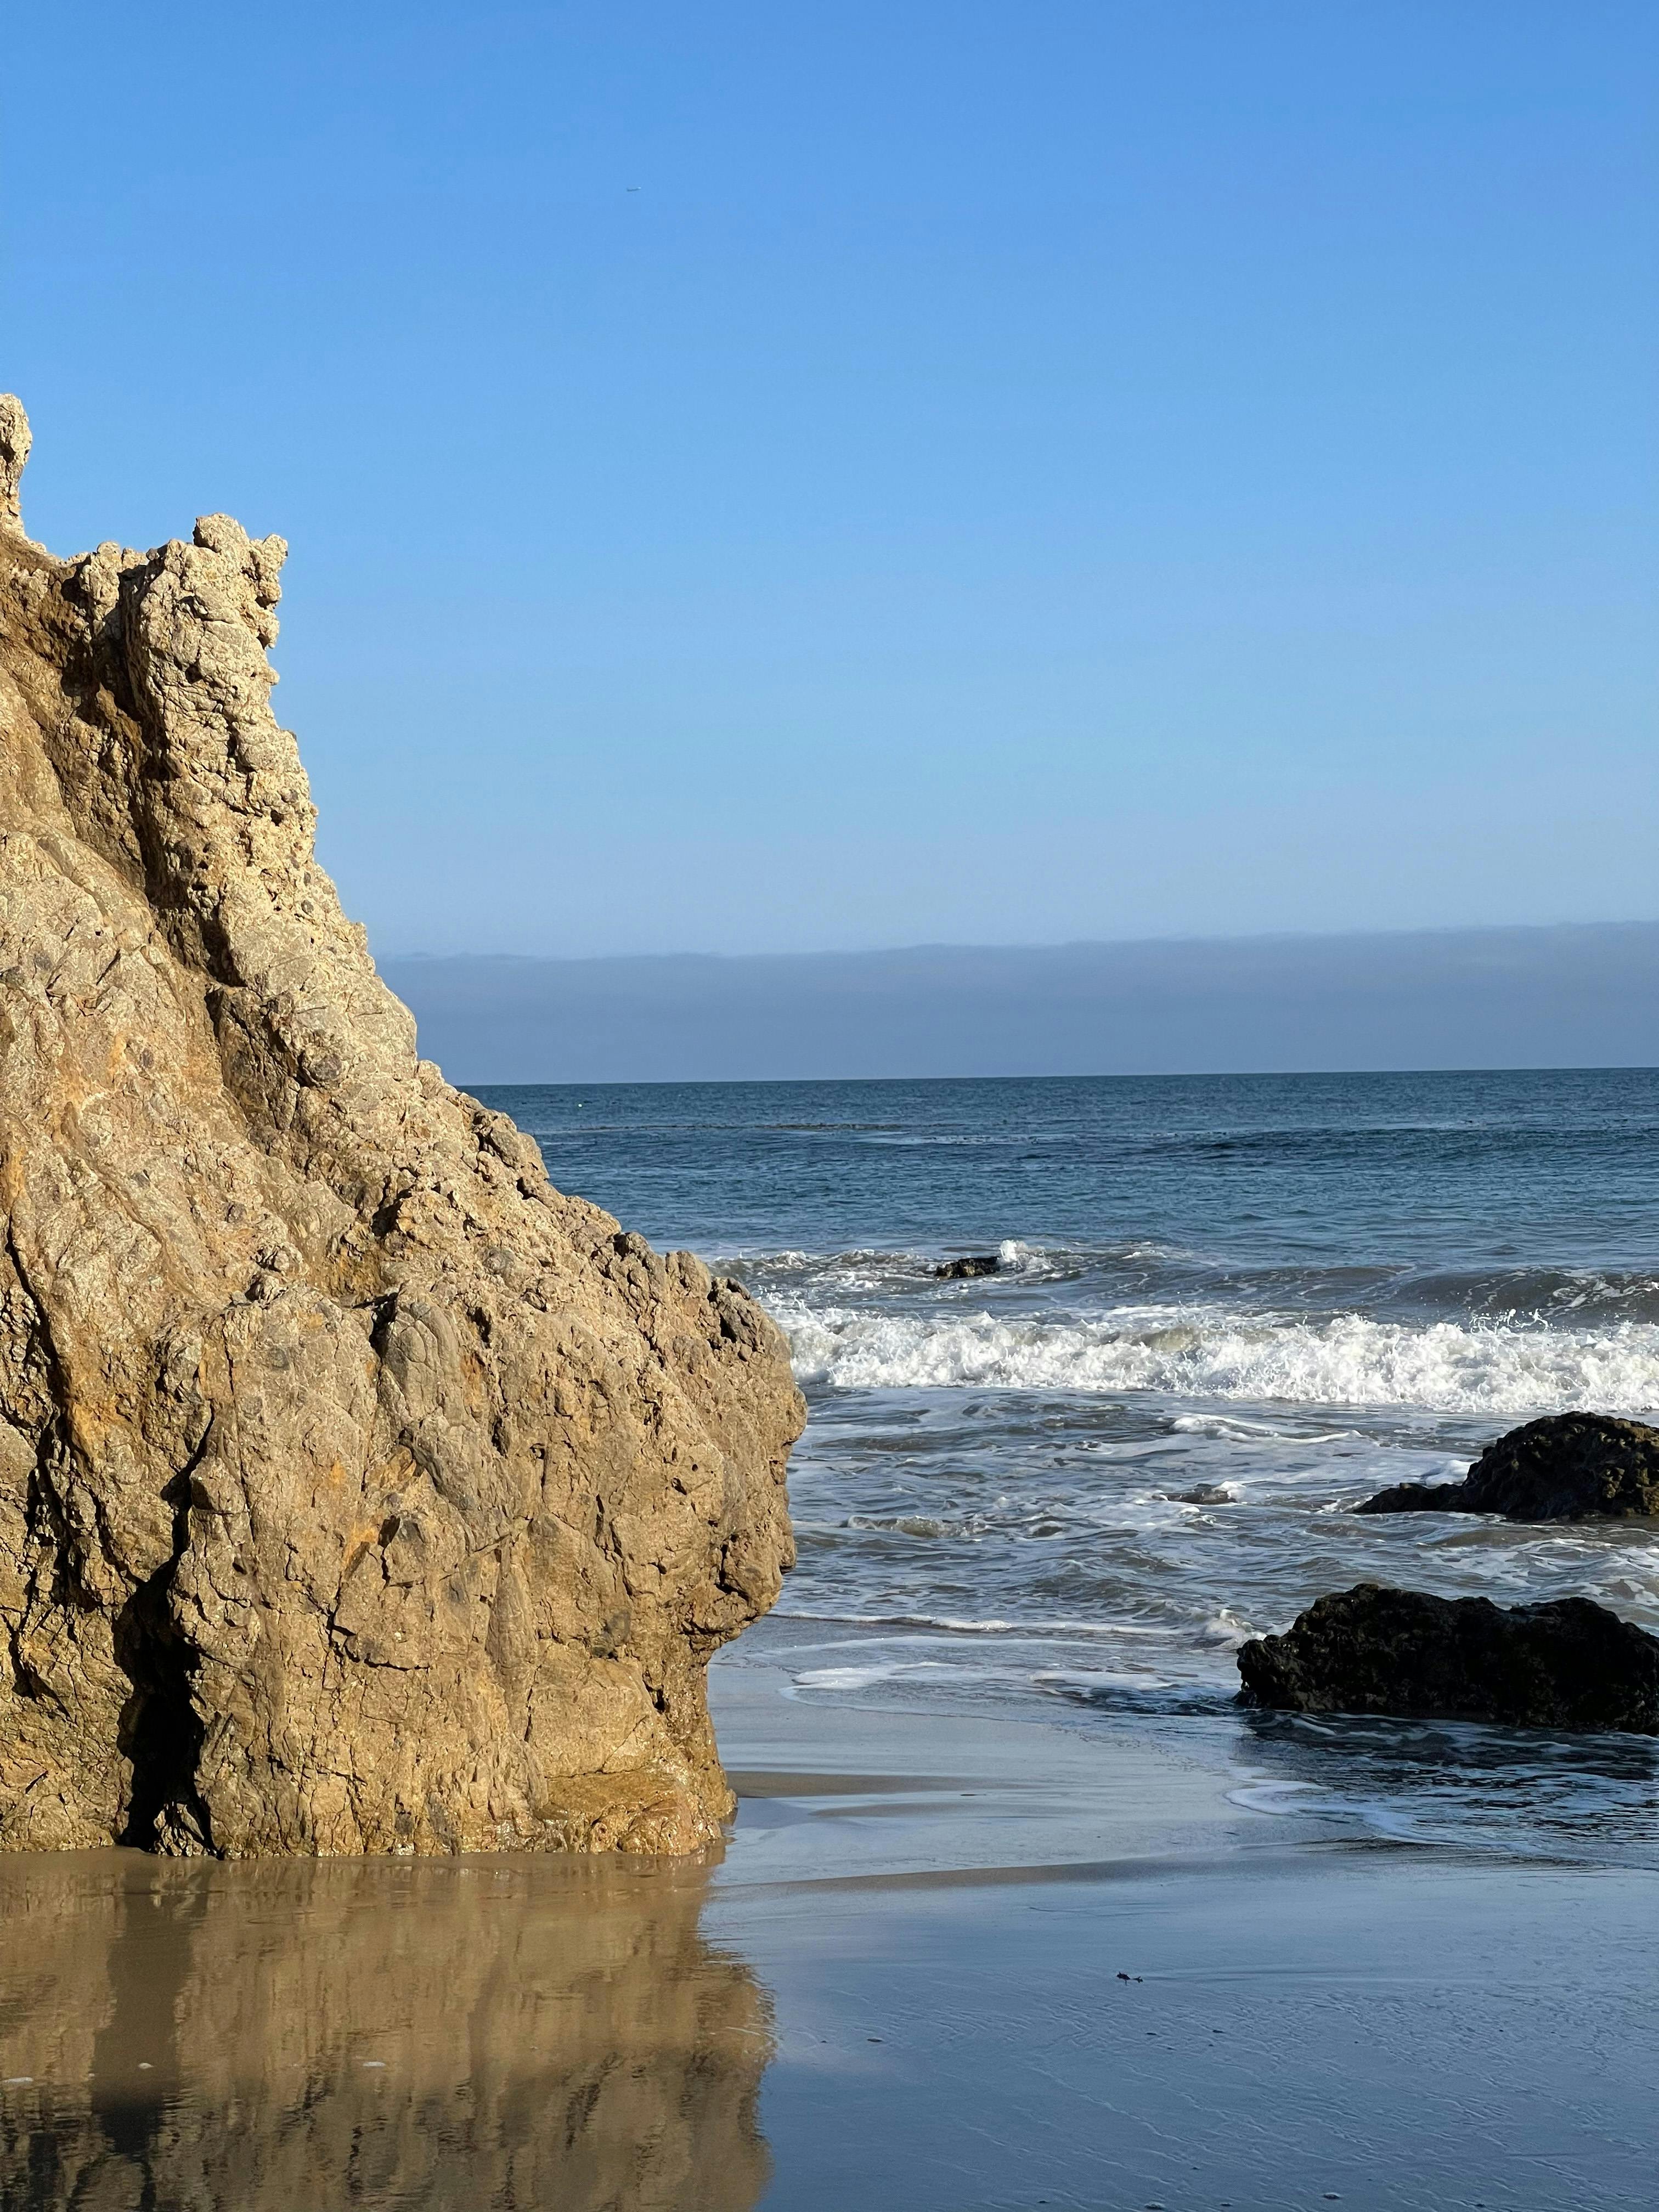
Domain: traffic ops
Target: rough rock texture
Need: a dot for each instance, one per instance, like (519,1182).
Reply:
(14,443)
(1567,1467)
(1567,1664)
(358,1491)
(968,1269)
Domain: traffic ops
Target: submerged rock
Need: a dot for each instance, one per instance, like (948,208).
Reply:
(965,1270)
(1566,1467)
(1567,1663)
(359,1491)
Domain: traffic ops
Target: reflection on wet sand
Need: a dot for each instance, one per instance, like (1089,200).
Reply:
(537,2033)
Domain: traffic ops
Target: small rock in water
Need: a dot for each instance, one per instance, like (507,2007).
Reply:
(976,1263)
(1566,1467)
(1566,1664)
(1205,1493)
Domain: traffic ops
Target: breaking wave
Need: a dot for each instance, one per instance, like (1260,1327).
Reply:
(1346,1359)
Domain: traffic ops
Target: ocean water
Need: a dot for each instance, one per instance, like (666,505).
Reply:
(1225,1309)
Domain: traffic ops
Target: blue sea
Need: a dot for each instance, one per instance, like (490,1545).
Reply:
(1225,1309)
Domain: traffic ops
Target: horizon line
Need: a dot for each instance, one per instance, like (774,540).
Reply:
(1068,944)
(1145,1075)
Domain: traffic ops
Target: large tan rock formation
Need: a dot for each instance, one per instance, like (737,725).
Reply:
(359,1491)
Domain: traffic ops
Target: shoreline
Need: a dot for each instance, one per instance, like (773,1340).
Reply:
(943,1963)
(1309,2016)
(900,1794)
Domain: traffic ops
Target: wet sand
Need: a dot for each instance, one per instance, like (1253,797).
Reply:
(901,1986)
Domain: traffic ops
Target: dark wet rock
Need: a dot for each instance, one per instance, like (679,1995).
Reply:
(1567,1467)
(1566,1664)
(976,1263)
(1203,1493)
(1419,1497)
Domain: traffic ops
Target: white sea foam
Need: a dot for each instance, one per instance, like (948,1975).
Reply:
(1016,1258)
(1229,1428)
(954,1625)
(904,1524)
(1350,1359)
(891,1670)
(1227,1629)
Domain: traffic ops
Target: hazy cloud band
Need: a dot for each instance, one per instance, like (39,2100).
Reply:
(1571,996)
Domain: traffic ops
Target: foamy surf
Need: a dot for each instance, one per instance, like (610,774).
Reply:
(1221,1313)
(1347,1360)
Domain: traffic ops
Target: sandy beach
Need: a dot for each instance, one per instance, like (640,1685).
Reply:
(902,1984)
(1307,2020)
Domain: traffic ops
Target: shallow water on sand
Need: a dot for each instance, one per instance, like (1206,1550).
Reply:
(1224,1310)
(295,2037)
(943,1965)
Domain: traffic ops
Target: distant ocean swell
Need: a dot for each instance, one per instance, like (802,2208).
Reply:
(1149,1273)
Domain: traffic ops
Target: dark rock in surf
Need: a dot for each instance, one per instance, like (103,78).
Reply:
(962,1271)
(1421,1497)
(1566,1664)
(1567,1467)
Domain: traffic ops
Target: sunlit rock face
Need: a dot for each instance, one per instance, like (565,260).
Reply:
(359,1490)
(254,2039)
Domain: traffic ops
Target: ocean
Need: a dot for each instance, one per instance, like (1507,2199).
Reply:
(1225,1309)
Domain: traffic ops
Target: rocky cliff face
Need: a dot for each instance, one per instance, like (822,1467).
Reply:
(359,1491)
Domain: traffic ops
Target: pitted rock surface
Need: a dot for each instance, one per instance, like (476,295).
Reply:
(359,1490)
(1565,1663)
(1565,1467)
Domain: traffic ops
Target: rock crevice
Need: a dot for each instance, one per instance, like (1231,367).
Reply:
(359,1490)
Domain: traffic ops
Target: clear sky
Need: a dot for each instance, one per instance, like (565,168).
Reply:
(765,477)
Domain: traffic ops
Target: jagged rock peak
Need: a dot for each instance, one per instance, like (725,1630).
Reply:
(15,439)
(359,1490)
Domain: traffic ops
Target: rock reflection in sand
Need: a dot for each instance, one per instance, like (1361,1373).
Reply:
(523,2033)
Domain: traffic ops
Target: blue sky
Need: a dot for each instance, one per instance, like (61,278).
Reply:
(1003,473)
